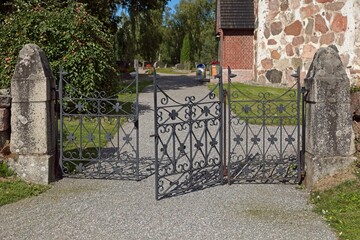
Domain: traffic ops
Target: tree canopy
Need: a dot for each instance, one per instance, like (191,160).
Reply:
(86,37)
(69,36)
(197,19)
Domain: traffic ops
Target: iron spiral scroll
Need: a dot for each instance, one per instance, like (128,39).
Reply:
(264,135)
(188,146)
(98,133)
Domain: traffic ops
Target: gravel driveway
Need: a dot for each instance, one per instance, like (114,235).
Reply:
(112,209)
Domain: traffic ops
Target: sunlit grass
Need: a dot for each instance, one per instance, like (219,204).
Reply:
(266,105)
(13,189)
(86,133)
(340,206)
(171,71)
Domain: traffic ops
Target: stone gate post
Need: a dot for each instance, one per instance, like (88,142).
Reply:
(33,120)
(329,135)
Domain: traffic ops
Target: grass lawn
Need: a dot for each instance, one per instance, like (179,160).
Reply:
(13,189)
(263,104)
(171,71)
(84,136)
(340,206)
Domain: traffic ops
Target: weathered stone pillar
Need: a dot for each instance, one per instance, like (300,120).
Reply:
(33,120)
(329,134)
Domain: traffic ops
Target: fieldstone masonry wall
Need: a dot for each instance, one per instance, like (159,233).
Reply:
(289,32)
(329,133)
(33,119)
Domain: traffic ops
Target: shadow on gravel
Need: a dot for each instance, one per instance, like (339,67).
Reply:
(175,82)
(116,170)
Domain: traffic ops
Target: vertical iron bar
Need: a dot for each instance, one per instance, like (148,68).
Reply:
(224,132)
(156,136)
(61,119)
(221,94)
(262,150)
(118,137)
(99,132)
(137,120)
(55,98)
(191,173)
(81,128)
(229,127)
(298,155)
(303,129)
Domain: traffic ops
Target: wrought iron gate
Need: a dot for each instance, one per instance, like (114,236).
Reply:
(227,135)
(188,146)
(264,134)
(99,136)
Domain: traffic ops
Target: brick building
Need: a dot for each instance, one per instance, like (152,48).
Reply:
(265,40)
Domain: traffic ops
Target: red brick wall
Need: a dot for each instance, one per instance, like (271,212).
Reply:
(237,49)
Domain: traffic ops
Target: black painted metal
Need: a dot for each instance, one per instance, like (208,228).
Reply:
(99,136)
(189,142)
(264,135)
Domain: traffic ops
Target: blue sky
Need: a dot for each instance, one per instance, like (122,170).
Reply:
(172,3)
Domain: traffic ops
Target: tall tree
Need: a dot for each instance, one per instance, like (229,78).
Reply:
(185,57)
(196,18)
(125,47)
(144,21)
(103,10)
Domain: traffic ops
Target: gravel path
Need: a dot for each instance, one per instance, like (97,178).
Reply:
(112,209)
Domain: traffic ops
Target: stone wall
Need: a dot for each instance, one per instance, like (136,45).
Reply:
(290,32)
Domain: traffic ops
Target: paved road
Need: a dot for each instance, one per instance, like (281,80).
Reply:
(112,209)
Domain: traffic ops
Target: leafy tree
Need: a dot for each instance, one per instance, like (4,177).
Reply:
(196,18)
(103,10)
(185,57)
(69,36)
(125,47)
(144,26)
(170,48)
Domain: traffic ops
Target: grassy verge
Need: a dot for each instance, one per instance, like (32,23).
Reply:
(340,206)
(13,189)
(263,104)
(84,136)
(171,71)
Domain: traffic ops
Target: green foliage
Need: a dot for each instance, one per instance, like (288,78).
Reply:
(5,171)
(354,89)
(12,190)
(125,47)
(69,36)
(197,19)
(139,34)
(185,57)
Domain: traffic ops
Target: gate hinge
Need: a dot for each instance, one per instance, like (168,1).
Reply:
(225,93)
(303,174)
(57,107)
